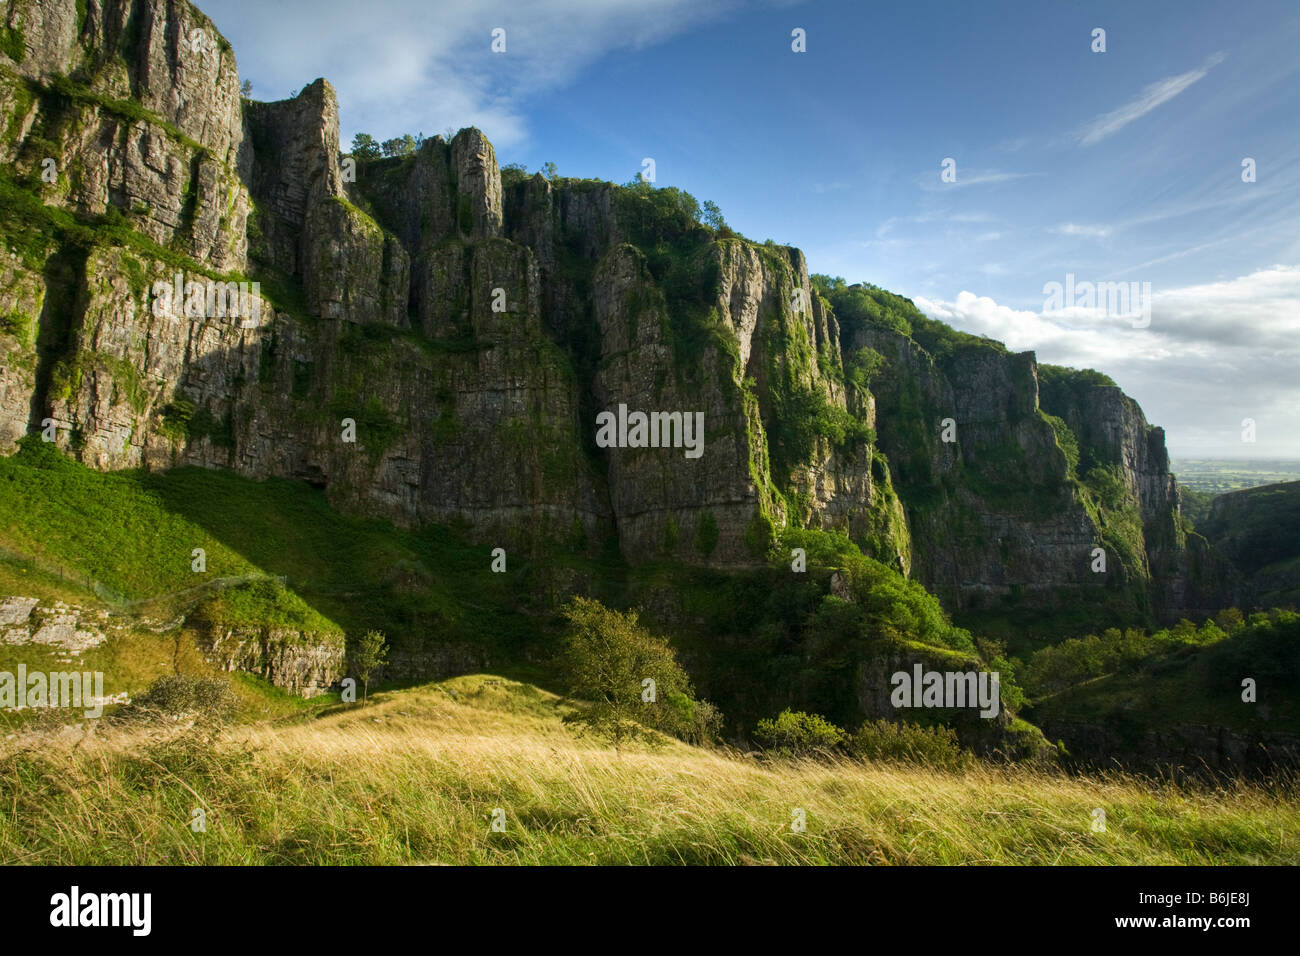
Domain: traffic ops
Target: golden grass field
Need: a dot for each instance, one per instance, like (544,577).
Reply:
(414,777)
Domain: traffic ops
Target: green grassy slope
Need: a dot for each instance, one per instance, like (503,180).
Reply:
(134,534)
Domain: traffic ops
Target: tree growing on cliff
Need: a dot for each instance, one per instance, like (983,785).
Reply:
(627,680)
(367,654)
(403,145)
(712,215)
(513,173)
(364,146)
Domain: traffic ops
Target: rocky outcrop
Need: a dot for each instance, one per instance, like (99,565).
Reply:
(307,664)
(22,299)
(1184,575)
(1012,484)
(999,733)
(67,630)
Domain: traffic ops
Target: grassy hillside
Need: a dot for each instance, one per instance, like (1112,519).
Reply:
(132,535)
(1170,698)
(139,650)
(415,777)
(756,641)
(1259,531)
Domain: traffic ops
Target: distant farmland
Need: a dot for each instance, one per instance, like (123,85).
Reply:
(1215,476)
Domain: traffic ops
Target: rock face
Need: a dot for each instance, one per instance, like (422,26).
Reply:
(431,345)
(1043,467)
(303,663)
(135,107)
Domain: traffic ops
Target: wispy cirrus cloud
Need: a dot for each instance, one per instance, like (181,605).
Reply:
(981,177)
(1080,229)
(1161,91)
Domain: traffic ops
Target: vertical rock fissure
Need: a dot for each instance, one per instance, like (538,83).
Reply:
(61,316)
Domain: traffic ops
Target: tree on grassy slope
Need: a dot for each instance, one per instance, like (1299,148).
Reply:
(367,653)
(628,679)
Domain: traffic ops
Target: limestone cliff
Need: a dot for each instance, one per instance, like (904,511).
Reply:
(466,333)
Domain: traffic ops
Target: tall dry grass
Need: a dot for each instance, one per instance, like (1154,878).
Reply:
(416,776)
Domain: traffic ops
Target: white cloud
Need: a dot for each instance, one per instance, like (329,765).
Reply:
(1214,353)
(1161,91)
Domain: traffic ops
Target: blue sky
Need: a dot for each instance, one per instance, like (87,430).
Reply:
(1115,166)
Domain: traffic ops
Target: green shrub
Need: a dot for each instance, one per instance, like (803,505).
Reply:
(797,734)
(909,743)
(15,324)
(11,43)
(802,415)
(210,699)
(176,419)
(512,174)
(1075,661)
(760,534)
(694,721)
(862,367)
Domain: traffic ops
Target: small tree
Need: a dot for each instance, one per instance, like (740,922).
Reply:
(713,215)
(246,89)
(364,146)
(368,653)
(607,660)
(206,699)
(549,170)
